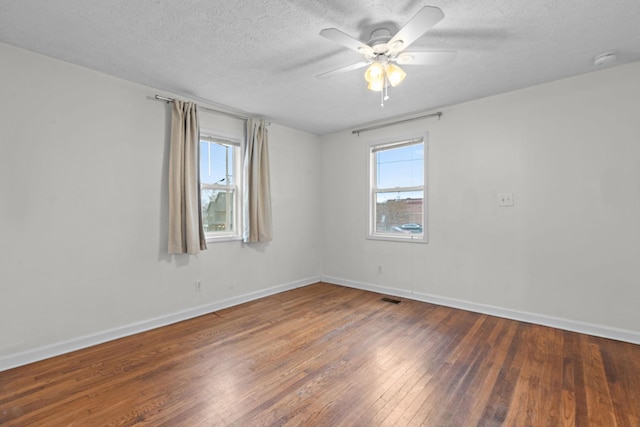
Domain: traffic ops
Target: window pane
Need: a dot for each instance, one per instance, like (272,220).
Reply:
(399,212)
(400,167)
(216,163)
(217,210)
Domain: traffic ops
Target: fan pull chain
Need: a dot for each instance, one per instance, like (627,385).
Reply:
(383,93)
(386,87)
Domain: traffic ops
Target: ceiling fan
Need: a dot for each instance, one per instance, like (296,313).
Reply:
(383,51)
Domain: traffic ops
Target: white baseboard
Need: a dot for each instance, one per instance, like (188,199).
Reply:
(23,358)
(523,316)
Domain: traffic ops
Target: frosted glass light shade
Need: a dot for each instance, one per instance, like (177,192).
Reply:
(374,72)
(376,85)
(381,74)
(395,74)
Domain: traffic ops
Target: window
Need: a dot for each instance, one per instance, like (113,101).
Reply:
(220,188)
(397,205)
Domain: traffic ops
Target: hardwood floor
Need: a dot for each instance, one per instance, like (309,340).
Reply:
(334,356)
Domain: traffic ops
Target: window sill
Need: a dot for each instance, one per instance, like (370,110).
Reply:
(226,238)
(394,238)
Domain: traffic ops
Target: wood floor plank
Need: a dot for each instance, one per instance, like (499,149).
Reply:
(325,355)
(599,403)
(568,393)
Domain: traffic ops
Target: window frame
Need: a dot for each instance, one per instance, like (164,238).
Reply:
(237,186)
(372,174)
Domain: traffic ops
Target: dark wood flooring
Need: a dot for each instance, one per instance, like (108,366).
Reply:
(333,356)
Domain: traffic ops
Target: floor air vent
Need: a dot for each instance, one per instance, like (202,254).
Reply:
(392,301)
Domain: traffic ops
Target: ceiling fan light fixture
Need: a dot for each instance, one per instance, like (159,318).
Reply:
(395,74)
(375,72)
(380,75)
(376,85)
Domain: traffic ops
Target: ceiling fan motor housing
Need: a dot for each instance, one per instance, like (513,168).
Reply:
(379,39)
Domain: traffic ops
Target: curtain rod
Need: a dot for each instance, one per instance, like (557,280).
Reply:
(357,131)
(225,113)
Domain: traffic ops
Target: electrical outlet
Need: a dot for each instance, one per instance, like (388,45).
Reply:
(505,200)
(379,269)
(198,287)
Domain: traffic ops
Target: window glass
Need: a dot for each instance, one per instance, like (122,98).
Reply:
(216,163)
(218,210)
(397,206)
(399,212)
(400,167)
(219,187)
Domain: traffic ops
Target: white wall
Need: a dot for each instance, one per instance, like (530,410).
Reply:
(83,214)
(566,254)
(83,195)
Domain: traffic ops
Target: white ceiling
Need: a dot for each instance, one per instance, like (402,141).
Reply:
(261,57)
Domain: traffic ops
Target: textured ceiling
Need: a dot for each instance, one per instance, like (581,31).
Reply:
(261,57)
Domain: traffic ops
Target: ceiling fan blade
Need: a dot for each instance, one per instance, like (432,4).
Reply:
(426,58)
(344,39)
(343,69)
(426,18)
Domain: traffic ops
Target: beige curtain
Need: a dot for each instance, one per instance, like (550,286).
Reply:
(257,195)
(186,235)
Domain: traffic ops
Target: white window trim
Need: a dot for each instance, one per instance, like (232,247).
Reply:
(231,140)
(375,146)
